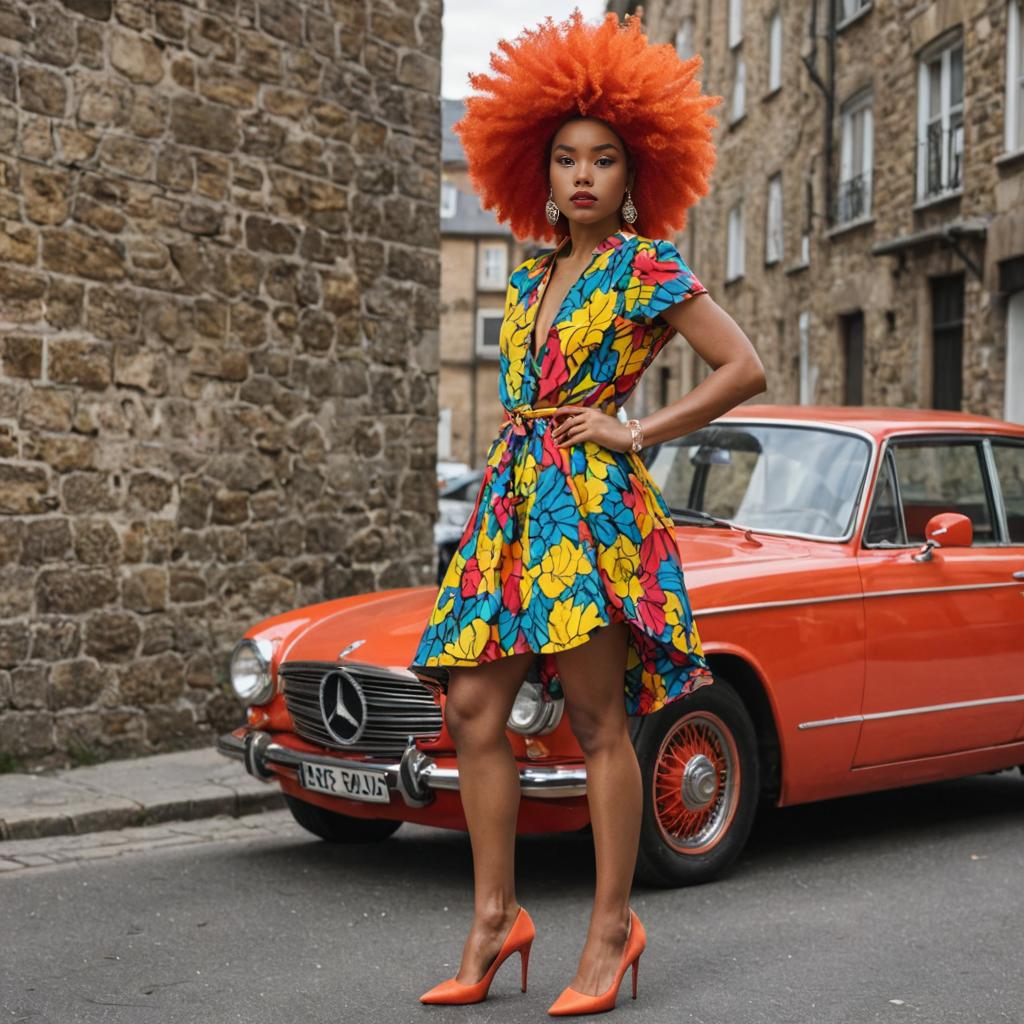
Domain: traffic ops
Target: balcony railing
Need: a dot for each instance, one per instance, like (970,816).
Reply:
(942,152)
(853,198)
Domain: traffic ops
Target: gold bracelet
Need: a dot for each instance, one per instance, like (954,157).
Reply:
(637,433)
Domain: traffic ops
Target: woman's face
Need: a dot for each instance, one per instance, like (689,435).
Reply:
(588,157)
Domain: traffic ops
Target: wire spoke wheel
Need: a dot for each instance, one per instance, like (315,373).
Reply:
(695,782)
(699,763)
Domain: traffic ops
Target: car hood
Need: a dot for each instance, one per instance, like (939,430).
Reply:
(386,626)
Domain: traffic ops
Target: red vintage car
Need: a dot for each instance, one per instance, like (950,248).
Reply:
(857,576)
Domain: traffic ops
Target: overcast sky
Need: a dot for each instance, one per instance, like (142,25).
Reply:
(472,30)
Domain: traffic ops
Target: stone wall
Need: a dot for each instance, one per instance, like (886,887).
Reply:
(219,263)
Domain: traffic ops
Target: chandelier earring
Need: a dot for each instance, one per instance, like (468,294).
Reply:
(551,210)
(629,213)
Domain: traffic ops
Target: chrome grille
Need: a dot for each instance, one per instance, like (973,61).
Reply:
(396,707)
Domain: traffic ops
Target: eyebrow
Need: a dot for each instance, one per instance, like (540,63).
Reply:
(593,149)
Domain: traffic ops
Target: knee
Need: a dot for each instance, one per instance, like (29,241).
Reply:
(596,733)
(470,723)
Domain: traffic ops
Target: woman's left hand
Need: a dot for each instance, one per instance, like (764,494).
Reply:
(577,423)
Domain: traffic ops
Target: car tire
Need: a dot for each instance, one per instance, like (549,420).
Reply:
(699,764)
(339,828)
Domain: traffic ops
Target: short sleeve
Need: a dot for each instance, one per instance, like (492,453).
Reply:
(658,278)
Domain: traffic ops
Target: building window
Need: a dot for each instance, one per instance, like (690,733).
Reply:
(735,22)
(773,227)
(684,39)
(808,374)
(1015,358)
(853,357)
(739,88)
(847,9)
(449,199)
(488,332)
(734,238)
(775,51)
(444,433)
(947,341)
(940,120)
(492,268)
(1015,76)
(853,198)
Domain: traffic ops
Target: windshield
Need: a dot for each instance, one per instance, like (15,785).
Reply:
(791,479)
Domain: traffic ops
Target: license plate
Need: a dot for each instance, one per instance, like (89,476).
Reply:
(350,783)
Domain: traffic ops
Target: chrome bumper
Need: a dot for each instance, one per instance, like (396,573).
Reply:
(415,776)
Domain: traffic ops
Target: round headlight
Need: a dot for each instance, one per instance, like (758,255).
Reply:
(531,714)
(250,671)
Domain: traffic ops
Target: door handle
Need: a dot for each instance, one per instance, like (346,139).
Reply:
(1019,574)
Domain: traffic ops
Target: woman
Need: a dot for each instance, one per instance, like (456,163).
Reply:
(569,558)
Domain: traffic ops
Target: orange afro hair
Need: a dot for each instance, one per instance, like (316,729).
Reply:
(645,92)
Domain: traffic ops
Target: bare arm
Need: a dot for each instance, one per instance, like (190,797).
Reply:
(737,375)
(737,371)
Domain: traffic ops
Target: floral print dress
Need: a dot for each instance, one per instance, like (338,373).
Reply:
(563,541)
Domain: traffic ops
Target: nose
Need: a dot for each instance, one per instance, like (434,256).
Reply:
(582,177)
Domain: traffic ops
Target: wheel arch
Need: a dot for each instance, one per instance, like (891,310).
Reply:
(749,683)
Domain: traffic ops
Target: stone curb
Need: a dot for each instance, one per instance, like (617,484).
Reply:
(118,794)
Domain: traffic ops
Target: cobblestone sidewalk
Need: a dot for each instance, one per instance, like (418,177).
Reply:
(121,794)
(26,854)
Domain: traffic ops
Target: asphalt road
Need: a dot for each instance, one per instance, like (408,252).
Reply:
(897,907)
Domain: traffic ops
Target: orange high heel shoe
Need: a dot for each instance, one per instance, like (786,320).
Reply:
(572,1002)
(520,937)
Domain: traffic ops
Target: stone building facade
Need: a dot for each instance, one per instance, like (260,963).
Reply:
(477,256)
(865,224)
(219,266)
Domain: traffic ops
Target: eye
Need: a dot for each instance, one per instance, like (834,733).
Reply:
(608,158)
(564,157)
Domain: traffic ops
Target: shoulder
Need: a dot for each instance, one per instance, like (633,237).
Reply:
(528,269)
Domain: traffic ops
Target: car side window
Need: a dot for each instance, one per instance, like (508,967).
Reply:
(943,476)
(1009,460)
(884,525)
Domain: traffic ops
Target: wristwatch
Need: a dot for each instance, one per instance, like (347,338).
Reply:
(637,433)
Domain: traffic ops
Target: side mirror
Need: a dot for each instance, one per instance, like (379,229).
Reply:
(946,530)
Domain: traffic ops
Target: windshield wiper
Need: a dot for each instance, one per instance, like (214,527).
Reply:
(697,518)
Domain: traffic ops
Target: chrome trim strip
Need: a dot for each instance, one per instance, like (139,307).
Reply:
(729,608)
(541,781)
(848,719)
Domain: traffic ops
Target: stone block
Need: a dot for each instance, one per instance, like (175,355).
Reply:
(24,490)
(156,680)
(138,59)
(74,590)
(75,684)
(145,589)
(43,91)
(112,635)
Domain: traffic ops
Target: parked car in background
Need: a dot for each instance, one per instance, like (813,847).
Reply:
(858,580)
(455,503)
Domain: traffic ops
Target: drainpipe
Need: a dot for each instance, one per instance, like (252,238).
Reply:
(828,91)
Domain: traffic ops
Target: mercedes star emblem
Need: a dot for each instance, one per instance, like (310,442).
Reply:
(343,707)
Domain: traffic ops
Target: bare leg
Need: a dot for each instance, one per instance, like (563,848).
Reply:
(592,678)
(478,704)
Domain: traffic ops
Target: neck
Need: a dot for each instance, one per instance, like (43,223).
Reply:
(586,237)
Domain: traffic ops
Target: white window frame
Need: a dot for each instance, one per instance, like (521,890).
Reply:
(773,240)
(862,105)
(735,23)
(449,199)
(684,39)
(739,89)
(808,374)
(949,113)
(1014,139)
(775,50)
(492,267)
(847,10)
(482,349)
(735,242)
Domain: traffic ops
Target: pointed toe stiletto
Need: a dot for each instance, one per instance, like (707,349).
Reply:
(572,1002)
(520,937)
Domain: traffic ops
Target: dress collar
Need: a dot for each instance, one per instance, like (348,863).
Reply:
(605,243)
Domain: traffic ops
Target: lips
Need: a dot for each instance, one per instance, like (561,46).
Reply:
(589,196)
